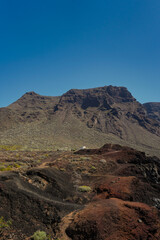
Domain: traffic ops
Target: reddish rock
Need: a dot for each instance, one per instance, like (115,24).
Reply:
(117,187)
(114,219)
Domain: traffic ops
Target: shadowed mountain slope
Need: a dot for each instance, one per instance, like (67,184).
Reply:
(88,117)
(153,110)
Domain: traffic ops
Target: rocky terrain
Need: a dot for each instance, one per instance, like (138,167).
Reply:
(90,117)
(95,193)
(108,193)
(153,110)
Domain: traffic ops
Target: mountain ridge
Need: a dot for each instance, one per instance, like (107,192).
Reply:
(89,117)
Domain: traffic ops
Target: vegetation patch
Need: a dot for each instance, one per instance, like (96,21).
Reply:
(4,168)
(93,167)
(84,189)
(39,235)
(9,167)
(4,224)
(62,169)
(10,147)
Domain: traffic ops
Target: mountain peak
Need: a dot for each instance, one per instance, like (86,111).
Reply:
(95,97)
(31,93)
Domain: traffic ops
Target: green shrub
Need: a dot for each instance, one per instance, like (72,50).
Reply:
(10,147)
(4,224)
(16,165)
(6,168)
(84,189)
(39,161)
(39,235)
(10,167)
(62,169)
(93,167)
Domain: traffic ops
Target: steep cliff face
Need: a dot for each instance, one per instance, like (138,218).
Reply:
(153,110)
(97,97)
(108,109)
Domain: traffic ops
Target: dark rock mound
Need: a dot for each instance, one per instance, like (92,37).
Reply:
(35,200)
(107,148)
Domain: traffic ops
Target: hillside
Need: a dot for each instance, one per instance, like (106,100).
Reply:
(88,117)
(108,193)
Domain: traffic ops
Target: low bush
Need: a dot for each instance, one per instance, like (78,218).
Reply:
(10,147)
(93,167)
(84,189)
(39,235)
(4,224)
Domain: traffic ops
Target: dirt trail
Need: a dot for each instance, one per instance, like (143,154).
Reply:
(40,196)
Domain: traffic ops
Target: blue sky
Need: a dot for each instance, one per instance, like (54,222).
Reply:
(52,46)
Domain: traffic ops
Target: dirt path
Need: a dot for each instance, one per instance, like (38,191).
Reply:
(39,196)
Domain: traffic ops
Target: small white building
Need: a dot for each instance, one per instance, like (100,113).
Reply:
(83,147)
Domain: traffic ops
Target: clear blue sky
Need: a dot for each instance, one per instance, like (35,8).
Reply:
(51,46)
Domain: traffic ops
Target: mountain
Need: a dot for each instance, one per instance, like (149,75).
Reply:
(29,108)
(107,109)
(90,117)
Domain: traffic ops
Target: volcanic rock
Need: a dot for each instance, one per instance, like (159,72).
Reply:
(115,219)
(123,201)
